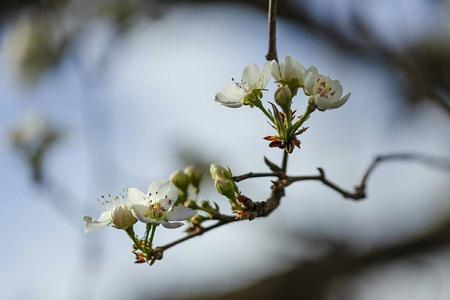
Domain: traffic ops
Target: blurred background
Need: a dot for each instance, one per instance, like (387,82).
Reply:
(97,96)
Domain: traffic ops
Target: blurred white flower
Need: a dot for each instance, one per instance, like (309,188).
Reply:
(157,206)
(325,92)
(117,212)
(289,72)
(248,90)
(32,129)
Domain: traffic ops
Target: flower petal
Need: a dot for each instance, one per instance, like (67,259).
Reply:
(340,102)
(265,75)
(337,88)
(322,103)
(140,212)
(171,225)
(179,213)
(310,80)
(91,224)
(231,96)
(136,196)
(251,76)
(163,192)
(275,69)
(287,68)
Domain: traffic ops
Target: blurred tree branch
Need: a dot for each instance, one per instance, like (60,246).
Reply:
(312,279)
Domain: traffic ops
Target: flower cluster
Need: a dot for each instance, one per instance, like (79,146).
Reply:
(171,201)
(158,206)
(290,76)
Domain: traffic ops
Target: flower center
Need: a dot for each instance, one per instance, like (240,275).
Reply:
(323,88)
(155,211)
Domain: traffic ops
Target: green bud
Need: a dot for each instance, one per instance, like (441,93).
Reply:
(197,220)
(195,174)
(180,180)
(283,97)
(219,172)
(227,188)
(191,204)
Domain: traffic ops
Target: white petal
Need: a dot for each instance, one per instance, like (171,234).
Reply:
(340,102)
(163,192)
(105,216)
(337,88)
(136,196)
(251,76)
(171,225)
(231,96)
(179,213)
(265,75)
(139,212)
(91,224)
(287,68)
(299,72)
(276,73)
(310,80)
(322,103)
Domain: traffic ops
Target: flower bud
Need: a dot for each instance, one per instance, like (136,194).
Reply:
(283,97)
(191,204)
(195,174)
(219,172)
(122,217)
(227,188)
(180,180)
(197,220)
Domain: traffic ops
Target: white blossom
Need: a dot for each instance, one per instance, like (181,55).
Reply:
(325,92)
(117,213)
(32,130)
(158,205)
(289,72)
(244,92)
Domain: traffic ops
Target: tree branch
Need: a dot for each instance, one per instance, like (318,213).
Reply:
(272,20)
(255,175)
(360,190)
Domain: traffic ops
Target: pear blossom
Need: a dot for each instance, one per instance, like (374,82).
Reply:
(248,90)
(289,72)
(325,92)
(158,205)
(117,213)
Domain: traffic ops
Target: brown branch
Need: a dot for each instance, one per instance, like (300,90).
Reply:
(285,162)
(200,231)
(360,190)
(257,210)
(272,20)
(255,175)
(265,208)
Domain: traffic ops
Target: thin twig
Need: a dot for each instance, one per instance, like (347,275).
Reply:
(258,209)
(200,231)
(255,175)
(272,20)
(285,162)
(360,190)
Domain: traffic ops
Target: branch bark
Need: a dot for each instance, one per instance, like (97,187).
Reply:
(272,20)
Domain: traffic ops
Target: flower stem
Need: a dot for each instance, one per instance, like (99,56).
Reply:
(147,232)
(264,110)
(152,235)
(132,235)
(309,109)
